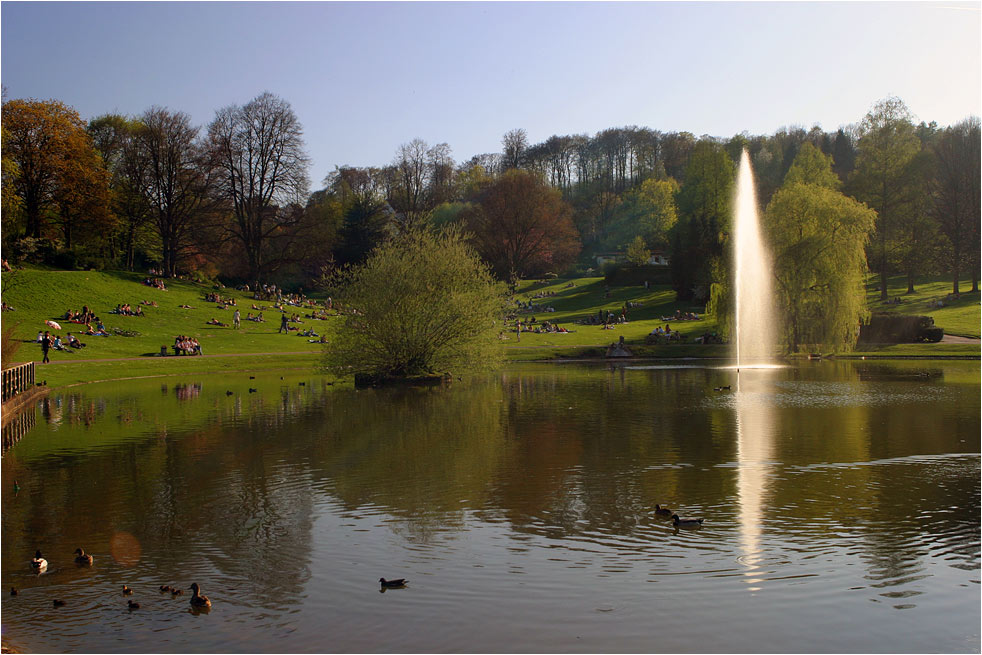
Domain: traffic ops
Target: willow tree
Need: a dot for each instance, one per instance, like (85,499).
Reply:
(422,303)
(818,237)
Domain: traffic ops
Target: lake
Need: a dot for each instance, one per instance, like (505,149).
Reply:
(841,502)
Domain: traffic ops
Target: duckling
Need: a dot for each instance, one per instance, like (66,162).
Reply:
(176,592)
(197,600)
(303,384)
(13,591)
(662,511)
(251,390)
(127,591)
(132,605)
(166,587)
(39,564)
(82,559)
(58,603)
(686,522)
(228,393)
(252,377)
(391,584)
(726,388)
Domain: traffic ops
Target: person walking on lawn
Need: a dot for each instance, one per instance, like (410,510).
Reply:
(235,319)
(45,345)
(283,326)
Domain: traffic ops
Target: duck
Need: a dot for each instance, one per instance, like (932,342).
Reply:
(127,591)
(303,384)
(251,390)
(82,559)
(687,522)
(39,564)
(13,591)
(726,388)
(166,587)
(176,592)
(58,603)
(391,584)
(253,377)
(197,600)
(662,511)
(228,393)
(133,605)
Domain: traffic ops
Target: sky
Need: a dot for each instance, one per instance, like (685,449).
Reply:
(365,77)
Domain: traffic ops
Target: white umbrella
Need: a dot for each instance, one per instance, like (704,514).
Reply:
(53,325)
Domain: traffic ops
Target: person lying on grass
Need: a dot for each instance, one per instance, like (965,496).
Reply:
(215,321)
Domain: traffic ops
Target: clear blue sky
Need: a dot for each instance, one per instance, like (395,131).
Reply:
(366,77)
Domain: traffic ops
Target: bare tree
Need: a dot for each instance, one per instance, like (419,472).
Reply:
(514,144)
(408,191)
(175,185)
(258,153)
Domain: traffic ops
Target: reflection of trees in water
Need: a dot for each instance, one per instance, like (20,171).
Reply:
(416,452)
(593,453)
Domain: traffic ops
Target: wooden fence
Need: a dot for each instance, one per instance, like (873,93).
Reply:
(17,379)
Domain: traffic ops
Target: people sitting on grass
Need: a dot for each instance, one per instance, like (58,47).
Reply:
(83,316)
(73,342)
(57,344)
(149,303)
(309,332)
(155,282)
(215,321)
(126,310)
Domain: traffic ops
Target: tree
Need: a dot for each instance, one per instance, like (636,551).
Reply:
(811,166)
(704,203)
(409,191)
(659,213)
(421,303)
(113,137)
(955,194)
(637,252)
(176,186)
(522,227)
(52,168)
(514,146)
(261,170)
(884,178)
(817,237)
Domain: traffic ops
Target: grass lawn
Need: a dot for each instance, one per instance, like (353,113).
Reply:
(38,295)
(961,317)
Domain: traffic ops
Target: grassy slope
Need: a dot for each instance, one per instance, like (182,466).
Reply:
(39,295)
(959,317)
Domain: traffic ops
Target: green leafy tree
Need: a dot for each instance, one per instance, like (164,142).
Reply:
(704,205)
(811,166)
(817,236)
(637,252)
(955,196)
(421,303)
(885,178)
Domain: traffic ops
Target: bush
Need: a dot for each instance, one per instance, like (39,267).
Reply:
(899,328)
(421,303)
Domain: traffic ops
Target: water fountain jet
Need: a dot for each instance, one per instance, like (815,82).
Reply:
(754,315)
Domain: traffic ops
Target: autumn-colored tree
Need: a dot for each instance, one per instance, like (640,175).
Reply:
(522,227)
(53,169)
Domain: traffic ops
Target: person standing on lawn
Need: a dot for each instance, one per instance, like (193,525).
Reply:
(45,346)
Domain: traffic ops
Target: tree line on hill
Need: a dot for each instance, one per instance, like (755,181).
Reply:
(233,198)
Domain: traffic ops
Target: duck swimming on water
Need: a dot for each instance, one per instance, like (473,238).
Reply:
(39,564)
(391,584)
(197,600)
(662,511)
(686,522)
(82,559)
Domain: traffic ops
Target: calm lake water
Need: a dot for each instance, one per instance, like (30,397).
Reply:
(841,502)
